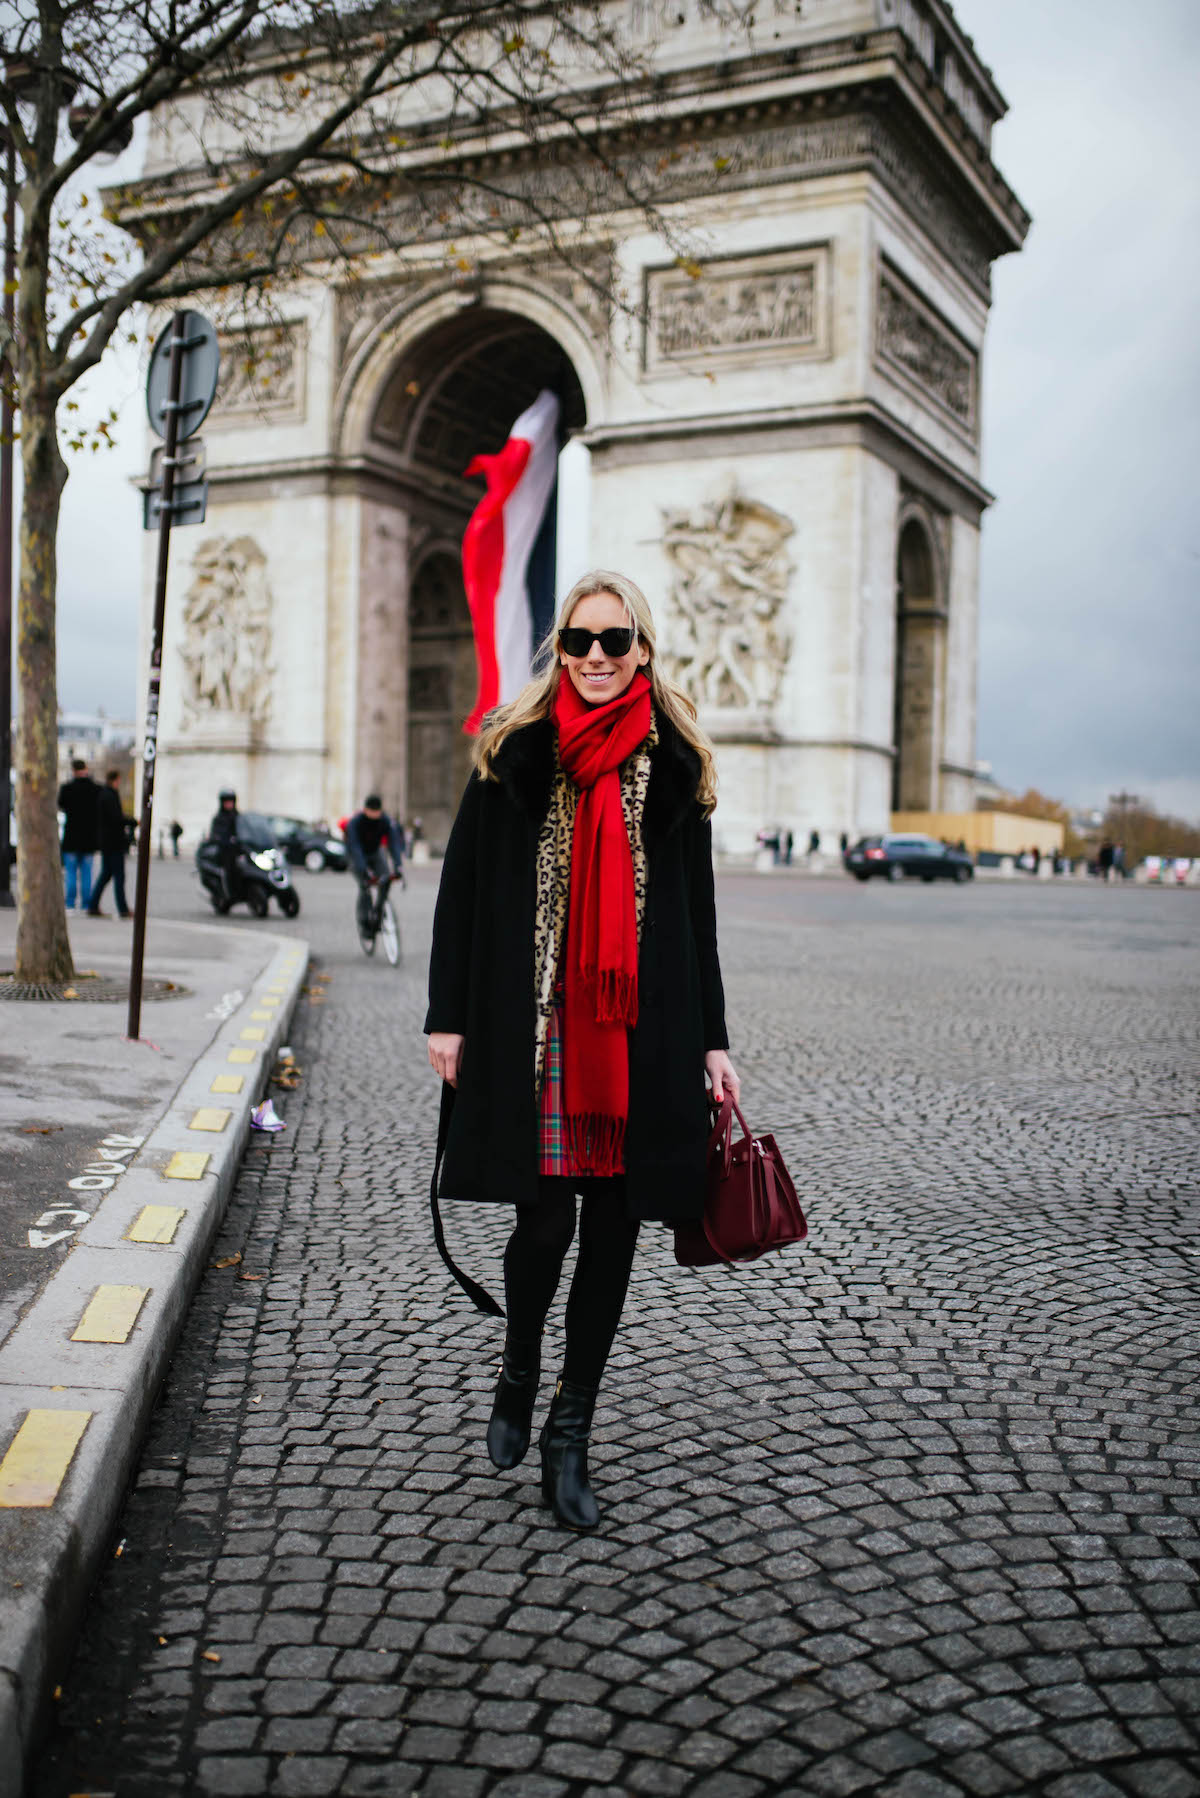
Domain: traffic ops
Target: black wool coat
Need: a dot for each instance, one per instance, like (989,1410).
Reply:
(481,983)
(113,840)
(78,801)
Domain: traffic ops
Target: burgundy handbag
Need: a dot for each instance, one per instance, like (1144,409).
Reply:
(751,1204)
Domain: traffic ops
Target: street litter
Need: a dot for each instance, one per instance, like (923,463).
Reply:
(286,1073)
(264,1117)
(228,1260)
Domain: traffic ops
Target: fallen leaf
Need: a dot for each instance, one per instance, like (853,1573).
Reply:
(69,992)
(40,1129)
(209,1655)
(228,1260)
(249,1276)
(162,1641)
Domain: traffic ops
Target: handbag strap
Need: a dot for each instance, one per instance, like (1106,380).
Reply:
(478,1295)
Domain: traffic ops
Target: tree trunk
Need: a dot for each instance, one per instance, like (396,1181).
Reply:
(43,949)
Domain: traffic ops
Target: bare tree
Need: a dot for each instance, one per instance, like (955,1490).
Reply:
(289,133)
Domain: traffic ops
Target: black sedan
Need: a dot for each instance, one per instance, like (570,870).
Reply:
(895,857)
(306,845)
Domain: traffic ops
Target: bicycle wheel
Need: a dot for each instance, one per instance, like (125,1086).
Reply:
(366,936)
(389,932)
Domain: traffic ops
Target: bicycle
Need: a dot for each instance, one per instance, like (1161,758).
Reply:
(380,922)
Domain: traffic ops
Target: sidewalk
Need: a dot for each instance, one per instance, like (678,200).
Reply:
(118,1158)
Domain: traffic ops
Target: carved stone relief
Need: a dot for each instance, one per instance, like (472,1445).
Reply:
(226,651)
(262,373)
(725,641)
(911,338)
(769,302)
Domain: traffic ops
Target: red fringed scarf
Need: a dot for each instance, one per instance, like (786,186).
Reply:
(600,977)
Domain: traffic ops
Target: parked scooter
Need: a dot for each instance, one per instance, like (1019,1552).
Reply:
(260,872)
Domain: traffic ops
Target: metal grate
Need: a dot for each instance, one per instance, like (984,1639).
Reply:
(86,989)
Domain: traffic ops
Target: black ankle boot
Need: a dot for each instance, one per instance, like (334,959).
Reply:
(512,1409)
(564,1446)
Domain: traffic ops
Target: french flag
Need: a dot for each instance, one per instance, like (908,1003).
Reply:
(498,547)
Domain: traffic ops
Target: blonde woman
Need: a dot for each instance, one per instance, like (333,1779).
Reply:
(575,999)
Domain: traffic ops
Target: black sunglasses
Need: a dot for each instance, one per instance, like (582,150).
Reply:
(616,642)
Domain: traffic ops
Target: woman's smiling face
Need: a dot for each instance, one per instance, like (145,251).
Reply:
(597,676)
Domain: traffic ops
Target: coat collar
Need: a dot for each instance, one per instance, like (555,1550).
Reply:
(525,769)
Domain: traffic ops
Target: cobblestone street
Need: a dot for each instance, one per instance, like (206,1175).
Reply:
(911,1509)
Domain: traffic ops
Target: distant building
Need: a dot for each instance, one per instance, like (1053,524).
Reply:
(102,742)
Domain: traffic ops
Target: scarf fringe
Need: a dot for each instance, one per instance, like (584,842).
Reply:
(614,996)
(595,1144)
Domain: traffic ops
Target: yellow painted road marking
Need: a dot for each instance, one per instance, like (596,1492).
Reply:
(228,1083)
(263,1017)
(187,1164)
(255,1034)
(268,998)
(155,1223)
(240,1055)
(38,1457)
(210,1117)
(111,1314)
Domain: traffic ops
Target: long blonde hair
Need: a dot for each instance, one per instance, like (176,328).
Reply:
(536,700)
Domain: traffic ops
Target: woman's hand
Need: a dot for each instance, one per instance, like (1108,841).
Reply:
(445,1054)
(721,1075)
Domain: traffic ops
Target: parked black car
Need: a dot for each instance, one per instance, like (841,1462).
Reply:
(305,845)
(894,856)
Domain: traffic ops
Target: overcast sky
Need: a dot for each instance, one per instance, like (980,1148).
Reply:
(1089,674)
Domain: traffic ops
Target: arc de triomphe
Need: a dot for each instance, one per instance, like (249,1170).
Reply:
(783,443)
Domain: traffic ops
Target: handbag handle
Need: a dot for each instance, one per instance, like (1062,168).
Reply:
(721,1139)
(726,1110)
(721,1142)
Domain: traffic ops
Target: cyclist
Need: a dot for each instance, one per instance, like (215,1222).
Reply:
(371,836)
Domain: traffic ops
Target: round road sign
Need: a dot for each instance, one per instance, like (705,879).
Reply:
(197,377)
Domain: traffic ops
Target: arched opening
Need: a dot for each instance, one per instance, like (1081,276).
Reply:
(920,620)
(452,394)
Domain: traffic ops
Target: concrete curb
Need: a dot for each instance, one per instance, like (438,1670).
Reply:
(51,1546)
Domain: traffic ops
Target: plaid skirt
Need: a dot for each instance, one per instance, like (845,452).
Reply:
(553,1155)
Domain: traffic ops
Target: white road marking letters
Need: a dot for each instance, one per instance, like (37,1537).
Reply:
(60,1222)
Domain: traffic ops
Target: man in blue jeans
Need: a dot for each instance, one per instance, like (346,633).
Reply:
(78,800)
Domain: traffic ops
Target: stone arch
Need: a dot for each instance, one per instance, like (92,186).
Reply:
(919,665)
(439,384)
(412,321)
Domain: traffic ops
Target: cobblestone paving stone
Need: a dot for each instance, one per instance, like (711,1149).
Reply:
(912,1510)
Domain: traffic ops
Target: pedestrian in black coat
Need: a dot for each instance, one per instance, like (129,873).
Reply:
(78,802)
(525,1041)
(114,843)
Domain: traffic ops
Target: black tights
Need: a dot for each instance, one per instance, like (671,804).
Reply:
(533,1263)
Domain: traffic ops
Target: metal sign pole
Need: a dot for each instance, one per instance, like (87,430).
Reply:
(6,523)
(150,743)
